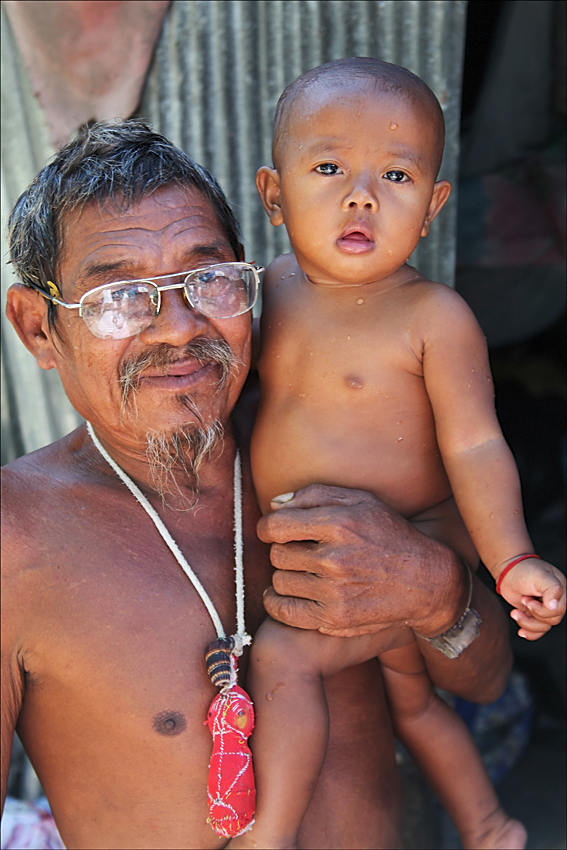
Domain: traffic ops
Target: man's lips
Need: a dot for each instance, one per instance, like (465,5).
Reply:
(178,375)
(356,239)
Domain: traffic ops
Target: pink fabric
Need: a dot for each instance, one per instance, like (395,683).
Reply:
(231,788)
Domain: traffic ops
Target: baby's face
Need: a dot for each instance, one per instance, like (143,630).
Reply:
(357,182)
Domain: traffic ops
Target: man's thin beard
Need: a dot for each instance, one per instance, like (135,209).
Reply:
(161,356)
(184,449)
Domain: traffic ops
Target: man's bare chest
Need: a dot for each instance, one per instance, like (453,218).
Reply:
(114,609)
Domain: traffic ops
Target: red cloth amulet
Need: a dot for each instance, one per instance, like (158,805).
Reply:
(231,788)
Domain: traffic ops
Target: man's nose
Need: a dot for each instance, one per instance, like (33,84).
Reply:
(177,323)
(362,194)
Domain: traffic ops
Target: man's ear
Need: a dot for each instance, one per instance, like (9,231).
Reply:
(26,309)
(441,192)
(268,185)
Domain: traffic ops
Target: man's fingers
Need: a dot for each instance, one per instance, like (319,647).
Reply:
(319,495)
(310,514)
(288,524)
(355,631)
(303,585)
(294,556)
(301,613)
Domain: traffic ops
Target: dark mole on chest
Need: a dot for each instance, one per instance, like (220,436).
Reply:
(169,723)
(354,382)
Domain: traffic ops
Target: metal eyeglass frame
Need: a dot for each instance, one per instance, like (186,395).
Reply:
(55,296)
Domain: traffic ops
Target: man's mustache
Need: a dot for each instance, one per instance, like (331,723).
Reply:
(160,357)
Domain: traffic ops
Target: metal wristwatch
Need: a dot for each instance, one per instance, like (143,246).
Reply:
(452,642)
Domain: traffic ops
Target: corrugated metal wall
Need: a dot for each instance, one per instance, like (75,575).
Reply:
(219,68)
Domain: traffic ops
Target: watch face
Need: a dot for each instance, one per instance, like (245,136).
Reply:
(461,635)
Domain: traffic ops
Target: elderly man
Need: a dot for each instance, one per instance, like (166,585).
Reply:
(134,289)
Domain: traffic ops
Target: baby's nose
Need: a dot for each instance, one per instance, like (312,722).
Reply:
(362,195)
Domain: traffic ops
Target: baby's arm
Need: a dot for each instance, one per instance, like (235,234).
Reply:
(479,464)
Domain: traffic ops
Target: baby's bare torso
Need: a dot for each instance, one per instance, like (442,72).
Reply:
(343,396)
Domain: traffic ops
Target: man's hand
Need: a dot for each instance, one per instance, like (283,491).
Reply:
(346,564)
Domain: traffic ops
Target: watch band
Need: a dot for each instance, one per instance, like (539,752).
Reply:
(466,630)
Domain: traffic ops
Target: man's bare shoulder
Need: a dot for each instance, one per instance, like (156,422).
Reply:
(32,488)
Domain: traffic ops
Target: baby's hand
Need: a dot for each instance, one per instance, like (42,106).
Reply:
(536,589)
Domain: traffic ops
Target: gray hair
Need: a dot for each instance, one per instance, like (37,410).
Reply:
(119,161)
(184,448)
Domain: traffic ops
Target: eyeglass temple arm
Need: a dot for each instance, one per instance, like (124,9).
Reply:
(51,297)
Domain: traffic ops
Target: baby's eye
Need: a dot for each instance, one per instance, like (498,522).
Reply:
(328,168)
(396,176)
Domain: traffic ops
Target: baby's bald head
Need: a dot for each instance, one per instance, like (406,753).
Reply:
(389,79)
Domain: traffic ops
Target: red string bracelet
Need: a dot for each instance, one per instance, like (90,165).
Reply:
(507,569)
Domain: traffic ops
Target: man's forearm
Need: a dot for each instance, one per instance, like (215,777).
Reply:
(481,671)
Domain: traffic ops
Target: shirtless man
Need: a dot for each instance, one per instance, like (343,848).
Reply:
(102,634)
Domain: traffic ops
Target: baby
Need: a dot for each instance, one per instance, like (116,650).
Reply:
(375,378)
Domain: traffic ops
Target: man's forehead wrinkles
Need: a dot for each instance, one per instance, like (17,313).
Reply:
(122,226)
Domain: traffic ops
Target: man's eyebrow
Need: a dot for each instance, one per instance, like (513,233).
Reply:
(210,252)
(100,270)
(94,271)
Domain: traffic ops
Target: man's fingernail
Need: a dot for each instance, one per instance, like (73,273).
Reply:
(285,497)
(552,604)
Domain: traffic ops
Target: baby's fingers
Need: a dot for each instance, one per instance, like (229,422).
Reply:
(529,627)
(549,609)
(554,600)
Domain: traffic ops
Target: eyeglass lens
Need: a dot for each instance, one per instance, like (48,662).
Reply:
(121,310)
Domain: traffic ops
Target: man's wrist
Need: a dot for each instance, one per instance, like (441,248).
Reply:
(449,587)
(458,637)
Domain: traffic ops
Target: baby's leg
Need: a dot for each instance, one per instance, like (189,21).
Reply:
(285,681)
(445,752)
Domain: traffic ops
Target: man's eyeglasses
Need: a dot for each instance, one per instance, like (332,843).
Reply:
(127,307)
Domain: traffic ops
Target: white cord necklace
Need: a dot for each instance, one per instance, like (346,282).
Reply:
(241,638)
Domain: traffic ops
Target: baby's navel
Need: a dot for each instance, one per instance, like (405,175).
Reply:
(169,723)
(354,382)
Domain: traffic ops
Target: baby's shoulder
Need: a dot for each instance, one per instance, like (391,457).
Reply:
(281,268)
(435,304)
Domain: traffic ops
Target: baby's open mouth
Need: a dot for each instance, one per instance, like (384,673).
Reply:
(355,242)
(357,236)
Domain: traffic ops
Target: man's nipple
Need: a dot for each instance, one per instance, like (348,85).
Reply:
(169,723)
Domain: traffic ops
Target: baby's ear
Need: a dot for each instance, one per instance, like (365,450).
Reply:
(268,185)
(441,192)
